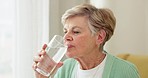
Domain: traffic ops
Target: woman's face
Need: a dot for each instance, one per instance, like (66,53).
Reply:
(78,37)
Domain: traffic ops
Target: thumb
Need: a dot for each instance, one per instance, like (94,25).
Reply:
(59,64)
(57,67)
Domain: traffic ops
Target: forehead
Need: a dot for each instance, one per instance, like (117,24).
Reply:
(76,22)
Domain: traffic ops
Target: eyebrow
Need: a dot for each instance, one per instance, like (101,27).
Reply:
(73,27)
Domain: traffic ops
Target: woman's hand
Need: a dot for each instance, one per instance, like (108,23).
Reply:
(44,62)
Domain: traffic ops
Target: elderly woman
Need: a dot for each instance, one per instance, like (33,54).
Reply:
(87,29)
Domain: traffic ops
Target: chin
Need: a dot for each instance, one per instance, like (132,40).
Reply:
(69,55)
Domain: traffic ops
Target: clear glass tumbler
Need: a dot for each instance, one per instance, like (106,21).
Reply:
(55,50)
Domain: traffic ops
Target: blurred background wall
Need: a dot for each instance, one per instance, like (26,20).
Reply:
(131,33)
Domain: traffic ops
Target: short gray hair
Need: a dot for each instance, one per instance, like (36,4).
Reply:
(98,18)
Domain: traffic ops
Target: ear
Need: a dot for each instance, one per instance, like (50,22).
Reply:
(101,36)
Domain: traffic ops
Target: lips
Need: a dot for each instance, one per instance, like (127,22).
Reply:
(70,46)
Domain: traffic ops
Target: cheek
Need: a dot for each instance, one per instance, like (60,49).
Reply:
(80,41)
(86,43)
(83,43)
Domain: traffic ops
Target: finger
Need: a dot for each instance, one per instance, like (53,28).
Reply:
(44,46)
(34,66)
(59,64)
(42,53)
(37,59)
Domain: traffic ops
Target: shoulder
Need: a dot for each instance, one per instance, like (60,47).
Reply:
(120,67)
(118,62)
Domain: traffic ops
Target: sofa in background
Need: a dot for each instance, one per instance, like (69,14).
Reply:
(141,61)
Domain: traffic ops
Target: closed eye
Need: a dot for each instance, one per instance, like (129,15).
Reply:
(76,32)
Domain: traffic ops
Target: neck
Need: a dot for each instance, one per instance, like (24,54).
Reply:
(91,61)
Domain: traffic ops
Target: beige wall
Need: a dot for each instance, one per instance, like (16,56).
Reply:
(131,33)
(57,8)
(146,27)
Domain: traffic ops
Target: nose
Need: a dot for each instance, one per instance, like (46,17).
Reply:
(68,37)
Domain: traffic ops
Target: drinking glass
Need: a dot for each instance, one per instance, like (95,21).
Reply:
(55,50)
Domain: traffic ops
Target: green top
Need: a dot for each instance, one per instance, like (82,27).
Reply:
(114,68)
